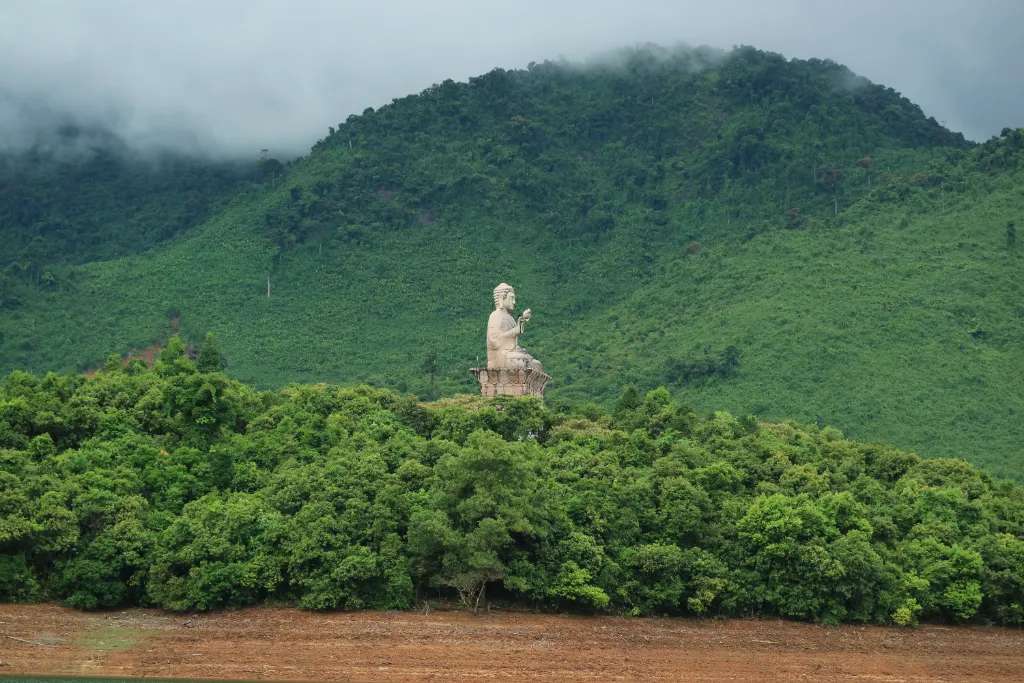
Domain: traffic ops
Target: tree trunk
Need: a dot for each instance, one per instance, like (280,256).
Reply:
(476,607)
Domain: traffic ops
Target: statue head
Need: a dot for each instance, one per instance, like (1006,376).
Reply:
(505,297)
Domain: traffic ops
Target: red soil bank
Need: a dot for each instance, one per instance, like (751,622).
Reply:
(287,644)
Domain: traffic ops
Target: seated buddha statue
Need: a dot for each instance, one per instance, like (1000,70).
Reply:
(503,331)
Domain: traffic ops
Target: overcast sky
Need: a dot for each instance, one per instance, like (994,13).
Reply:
(234,77)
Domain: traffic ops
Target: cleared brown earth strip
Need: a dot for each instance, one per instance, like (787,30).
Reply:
(286,644)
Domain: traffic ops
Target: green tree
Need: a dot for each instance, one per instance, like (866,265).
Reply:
(430,368)
(210,358)
(485,504)
(221,552)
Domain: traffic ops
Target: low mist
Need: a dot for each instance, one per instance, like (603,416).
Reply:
(228,79)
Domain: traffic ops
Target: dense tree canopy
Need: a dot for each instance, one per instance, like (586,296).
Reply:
(179,487)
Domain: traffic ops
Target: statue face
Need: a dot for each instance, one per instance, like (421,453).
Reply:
(508,302)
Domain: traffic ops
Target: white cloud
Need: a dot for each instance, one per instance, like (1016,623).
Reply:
(233,77)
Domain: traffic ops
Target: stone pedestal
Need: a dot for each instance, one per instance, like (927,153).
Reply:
(508,382)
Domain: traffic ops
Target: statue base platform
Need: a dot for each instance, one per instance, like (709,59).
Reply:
(509,382)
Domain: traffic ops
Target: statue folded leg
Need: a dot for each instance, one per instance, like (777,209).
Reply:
(521,360)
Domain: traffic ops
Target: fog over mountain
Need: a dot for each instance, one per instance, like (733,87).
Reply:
(231,78)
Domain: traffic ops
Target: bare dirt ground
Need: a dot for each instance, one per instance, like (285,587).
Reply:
(286,644)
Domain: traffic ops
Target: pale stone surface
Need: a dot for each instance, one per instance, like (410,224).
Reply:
(511,371)
(503,332)
(507,382)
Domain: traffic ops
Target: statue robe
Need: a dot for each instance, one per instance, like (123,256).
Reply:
(503,350)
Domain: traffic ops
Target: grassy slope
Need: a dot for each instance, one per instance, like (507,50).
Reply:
(867,326)
(863,321)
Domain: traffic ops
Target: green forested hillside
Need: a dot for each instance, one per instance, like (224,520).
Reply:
(82,194)
(771,237)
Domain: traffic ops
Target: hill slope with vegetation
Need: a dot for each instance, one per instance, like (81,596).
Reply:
(768,236)
(181,488)
(82,194)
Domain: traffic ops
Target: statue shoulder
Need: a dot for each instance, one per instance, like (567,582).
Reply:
(501,320)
